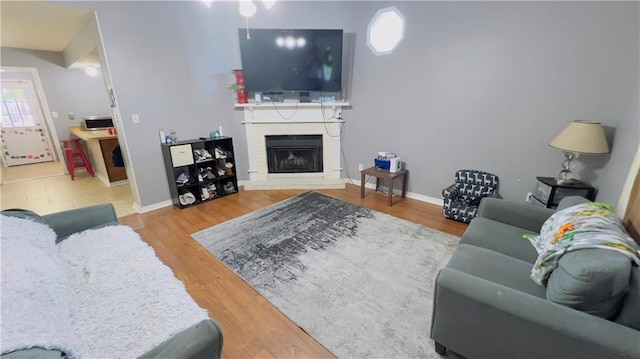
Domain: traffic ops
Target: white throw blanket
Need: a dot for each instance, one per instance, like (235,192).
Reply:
(122,301)
(34,308)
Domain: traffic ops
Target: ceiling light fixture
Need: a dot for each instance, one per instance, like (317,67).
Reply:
(268,4)
(247,8)
(91,71)
(207,2)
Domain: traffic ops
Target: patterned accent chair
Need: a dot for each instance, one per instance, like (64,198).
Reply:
(462,199)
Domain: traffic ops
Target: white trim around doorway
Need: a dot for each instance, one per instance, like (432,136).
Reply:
(49,127)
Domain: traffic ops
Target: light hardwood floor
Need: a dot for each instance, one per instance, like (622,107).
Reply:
(252,327)
(52,191)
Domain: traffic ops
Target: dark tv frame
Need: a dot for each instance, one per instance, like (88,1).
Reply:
(306,61)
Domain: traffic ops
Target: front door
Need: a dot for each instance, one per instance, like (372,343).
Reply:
(24,140)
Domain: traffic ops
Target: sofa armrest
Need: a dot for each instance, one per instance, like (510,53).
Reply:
(479,318)
(72,221)
(517,214)
(201,341)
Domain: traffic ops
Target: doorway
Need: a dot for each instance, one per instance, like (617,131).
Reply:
(30,146)
(25,139)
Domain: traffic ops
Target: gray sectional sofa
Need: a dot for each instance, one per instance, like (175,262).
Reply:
(487,306)
(201,340)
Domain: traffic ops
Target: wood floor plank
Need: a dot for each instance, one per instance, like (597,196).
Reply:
(252,327)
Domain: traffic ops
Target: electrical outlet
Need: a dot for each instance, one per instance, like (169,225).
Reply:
(360,167)
(71,116)
(529,195)
(54,114)
(135,118)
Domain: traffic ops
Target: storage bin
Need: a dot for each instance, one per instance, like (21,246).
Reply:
(384,164)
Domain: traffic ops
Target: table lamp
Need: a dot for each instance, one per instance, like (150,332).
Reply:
(580,137)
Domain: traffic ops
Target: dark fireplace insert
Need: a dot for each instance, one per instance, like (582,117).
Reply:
(294,153)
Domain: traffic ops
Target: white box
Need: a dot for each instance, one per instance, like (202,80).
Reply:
(181,155)
(395,164)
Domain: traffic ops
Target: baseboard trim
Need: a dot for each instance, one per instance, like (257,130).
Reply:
(416,196)
(412,195)
(152,207)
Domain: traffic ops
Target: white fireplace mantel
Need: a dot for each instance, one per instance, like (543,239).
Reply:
(269,119)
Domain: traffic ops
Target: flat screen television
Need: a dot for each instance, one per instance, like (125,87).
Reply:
(279,60)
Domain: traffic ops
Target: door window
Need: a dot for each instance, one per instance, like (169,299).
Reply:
(15,109)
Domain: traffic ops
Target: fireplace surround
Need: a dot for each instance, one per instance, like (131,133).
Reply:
(300,120)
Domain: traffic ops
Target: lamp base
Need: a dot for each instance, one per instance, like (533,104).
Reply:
(564,177)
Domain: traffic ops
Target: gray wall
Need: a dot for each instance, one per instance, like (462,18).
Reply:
(67,89)
(488,85)
(474,85)
(171,64)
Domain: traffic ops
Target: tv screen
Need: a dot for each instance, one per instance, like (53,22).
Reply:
(277,60)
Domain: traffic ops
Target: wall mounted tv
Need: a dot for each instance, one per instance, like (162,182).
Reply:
(279,60)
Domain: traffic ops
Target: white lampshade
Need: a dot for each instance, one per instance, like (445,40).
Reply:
(582,137)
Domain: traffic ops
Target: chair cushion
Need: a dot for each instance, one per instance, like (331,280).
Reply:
(591,280)
(630,309)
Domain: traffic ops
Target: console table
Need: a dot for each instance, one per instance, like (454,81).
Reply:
(379,173)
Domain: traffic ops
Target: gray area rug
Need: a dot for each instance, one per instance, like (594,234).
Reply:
(358,281)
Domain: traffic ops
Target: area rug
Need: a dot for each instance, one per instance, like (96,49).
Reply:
(358,281)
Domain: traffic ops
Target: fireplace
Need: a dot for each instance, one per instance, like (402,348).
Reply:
(294,153)
(293,145)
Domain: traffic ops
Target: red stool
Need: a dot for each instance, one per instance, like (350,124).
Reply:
(75,157)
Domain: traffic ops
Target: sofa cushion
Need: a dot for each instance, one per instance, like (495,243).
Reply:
(495,267)
(591,280)
(630,309)
(500,237)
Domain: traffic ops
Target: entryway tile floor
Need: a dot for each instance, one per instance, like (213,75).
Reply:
(32,171)
(58,193)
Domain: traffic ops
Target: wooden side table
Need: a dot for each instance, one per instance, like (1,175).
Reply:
(379,173)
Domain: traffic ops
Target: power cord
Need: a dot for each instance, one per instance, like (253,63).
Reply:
(344,158)
(280,114)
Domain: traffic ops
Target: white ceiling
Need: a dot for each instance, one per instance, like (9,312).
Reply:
(39,25)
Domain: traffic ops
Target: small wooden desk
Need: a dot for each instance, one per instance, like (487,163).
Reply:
(100,145)
(385,175)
